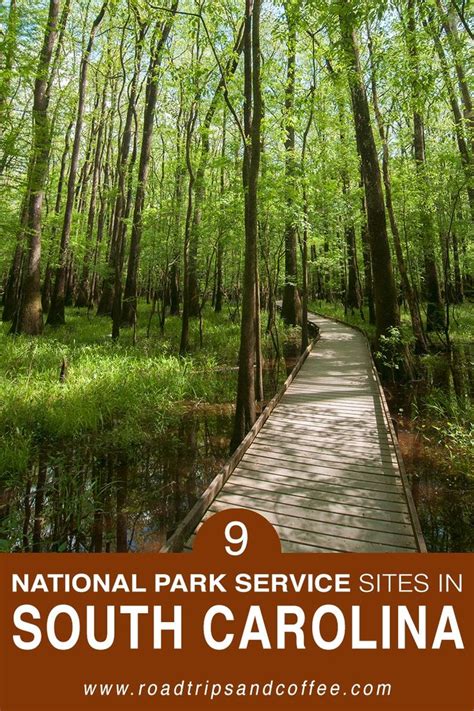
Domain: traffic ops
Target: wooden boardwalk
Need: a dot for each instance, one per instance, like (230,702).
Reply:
(325,468)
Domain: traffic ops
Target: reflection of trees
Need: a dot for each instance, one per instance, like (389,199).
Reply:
(88,498)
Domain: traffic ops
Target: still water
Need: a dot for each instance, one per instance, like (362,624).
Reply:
(84,497)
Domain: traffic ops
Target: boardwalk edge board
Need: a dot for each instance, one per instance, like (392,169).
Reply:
(404,477)
(288,460)
(178,539)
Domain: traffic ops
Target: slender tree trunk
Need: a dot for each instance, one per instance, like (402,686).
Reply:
(458,279)
(435,316)
(129,308)
(245,406)
(178,194)
(453,40)
(184,344)
(47,285)
(291,306)
(259,392)
(9,46)
(466,159)
(107,297)
(30,316)
(385,292)
(13,283)
(200,183)
(56,314)
(83,296)
(351,287)
(421,344)
(219,288)
(304,247)
(120,251)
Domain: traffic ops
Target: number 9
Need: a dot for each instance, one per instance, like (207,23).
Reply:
(240,540)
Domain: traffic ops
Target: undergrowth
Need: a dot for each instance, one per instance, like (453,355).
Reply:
(123,392)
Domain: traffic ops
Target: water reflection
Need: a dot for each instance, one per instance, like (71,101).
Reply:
(444,498)
(442,479)
(90,497)
(86,499)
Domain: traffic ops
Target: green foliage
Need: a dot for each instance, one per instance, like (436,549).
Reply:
(122,392)
(391,347)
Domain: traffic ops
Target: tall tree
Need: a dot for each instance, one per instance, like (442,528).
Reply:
(114,272)
(30,316)
(56,315)
(245,405)
(160,36)
(408,290)
(291,306)
(385,292)
(435,309)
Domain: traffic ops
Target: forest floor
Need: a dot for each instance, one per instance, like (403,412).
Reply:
(435,416)
(123,392)
(141,412)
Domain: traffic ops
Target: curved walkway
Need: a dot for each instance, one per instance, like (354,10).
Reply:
(325,468)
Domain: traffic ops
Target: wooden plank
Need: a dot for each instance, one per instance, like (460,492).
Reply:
(335,478)
(322,498)
(318,535)
(295,451)
(319,473)
(334,462)
(323,439)
(325,468)
(393,501)
(295,445)
(315,418)
(314,468)
(295,508)
(371,436)
(306,439)
(329,430)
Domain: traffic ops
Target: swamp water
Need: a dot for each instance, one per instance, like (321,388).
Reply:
(438,447)
(84,496)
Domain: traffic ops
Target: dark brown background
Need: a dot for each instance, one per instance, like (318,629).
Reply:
(421,679)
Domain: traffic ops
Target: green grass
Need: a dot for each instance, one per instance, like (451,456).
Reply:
(122,392)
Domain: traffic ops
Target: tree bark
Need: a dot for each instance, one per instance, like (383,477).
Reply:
(466,159)
(291,306)
(129,308)
(9,45)
(219,288)
(245,405)
(368,275)
(199,189)
(107,297)
(46,290)
(385,292)
(56,314)
(14,278)
(421,344)
(453,40)
(435,315)
(30,316)
(184,344)
(83,295)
